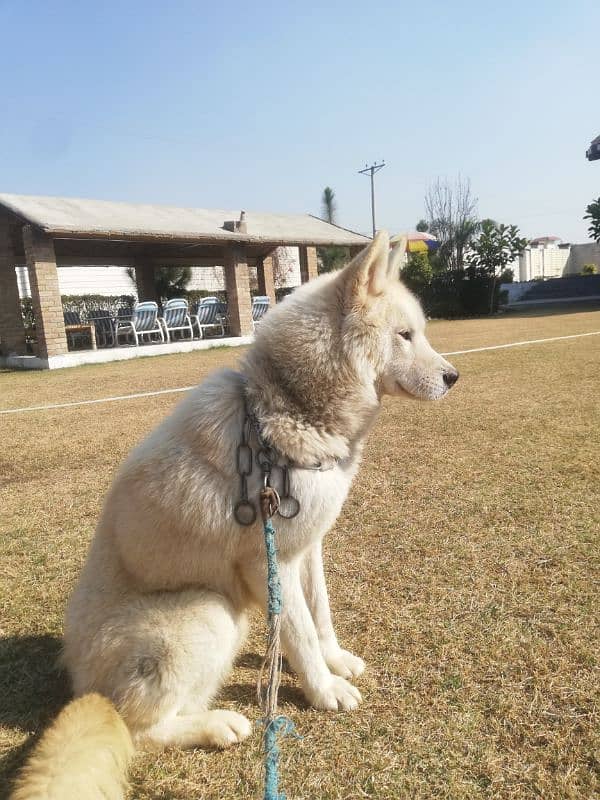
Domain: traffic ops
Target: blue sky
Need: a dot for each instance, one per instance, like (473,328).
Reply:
(260,105)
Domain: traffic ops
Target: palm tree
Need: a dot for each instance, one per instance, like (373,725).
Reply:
(328,205)
(172,281)
(169,281)
(333,257)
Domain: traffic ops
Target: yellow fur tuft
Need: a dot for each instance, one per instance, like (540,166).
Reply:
(84,755)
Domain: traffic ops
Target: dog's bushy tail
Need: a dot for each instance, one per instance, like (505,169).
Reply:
(84,755)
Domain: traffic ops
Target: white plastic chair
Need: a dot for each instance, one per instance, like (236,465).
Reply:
(209,314)
(176,317)
(260,306)
(144,322)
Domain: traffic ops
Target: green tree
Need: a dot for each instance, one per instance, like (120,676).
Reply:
(593,214)
(331,258)
(422,226)
(334,257)
(494,249)
(328,205)
(417,272)
(169,281)
(172,281)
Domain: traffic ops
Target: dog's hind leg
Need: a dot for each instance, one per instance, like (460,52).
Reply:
(162,658)
(218,728)
(203,662)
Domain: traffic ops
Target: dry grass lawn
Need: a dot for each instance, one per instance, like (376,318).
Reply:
(464,569)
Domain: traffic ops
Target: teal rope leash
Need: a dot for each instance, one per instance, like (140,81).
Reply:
(271,668)
(282,726)
(273,582)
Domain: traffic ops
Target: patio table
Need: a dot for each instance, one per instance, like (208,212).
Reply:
(84,327)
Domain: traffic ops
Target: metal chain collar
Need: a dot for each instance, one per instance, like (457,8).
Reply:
(268,460)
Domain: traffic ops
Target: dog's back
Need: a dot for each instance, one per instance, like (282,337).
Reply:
(84,755)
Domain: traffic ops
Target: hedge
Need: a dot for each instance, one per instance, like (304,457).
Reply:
(89,305)
(459,293)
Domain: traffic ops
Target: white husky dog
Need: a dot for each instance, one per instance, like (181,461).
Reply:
(159,612)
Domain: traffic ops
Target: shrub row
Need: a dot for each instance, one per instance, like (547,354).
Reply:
(86,305)
(457,293)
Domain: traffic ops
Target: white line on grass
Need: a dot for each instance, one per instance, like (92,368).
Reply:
(520,344)
(98,400)
(189,388)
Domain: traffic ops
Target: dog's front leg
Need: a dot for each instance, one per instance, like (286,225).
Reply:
(301,646)
(340,662)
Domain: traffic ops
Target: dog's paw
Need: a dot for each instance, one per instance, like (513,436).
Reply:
(225,728)
(344,664)
(336,695)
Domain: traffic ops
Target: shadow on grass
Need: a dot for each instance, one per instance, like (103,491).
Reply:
(254,661)
(32,692)
(32,687)
(249,661)
(245,695)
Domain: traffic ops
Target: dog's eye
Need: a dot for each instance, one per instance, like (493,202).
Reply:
(405,335)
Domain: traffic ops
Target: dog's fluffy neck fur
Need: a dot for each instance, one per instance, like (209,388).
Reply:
(303,432)
(312,403)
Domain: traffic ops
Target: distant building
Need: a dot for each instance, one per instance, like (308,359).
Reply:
(544,257)
(581,254)
(550,257)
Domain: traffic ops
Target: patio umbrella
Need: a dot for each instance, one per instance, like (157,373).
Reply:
(417,242)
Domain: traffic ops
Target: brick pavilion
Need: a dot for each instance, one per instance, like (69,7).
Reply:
(45,232)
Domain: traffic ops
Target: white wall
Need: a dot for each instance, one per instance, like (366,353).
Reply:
(115,281)
(85,280)
(581,254)
(211,279)
(289,258)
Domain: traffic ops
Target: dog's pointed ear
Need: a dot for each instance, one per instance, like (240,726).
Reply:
(366,276)
(396,259)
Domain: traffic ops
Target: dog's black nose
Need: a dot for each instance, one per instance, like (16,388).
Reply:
(450,378)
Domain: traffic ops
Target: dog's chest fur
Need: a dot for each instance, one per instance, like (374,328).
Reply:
(172,502)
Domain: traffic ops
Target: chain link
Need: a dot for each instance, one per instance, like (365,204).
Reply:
(244,511)
(267,458)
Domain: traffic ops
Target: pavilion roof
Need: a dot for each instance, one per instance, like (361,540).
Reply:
(65,217)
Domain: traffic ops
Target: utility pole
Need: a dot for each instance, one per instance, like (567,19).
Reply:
(371,171)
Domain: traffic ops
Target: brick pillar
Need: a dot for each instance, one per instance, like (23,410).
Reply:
(237,285)
(308,263)
(45,293)
(266,279)
(146,284)
(12,331)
